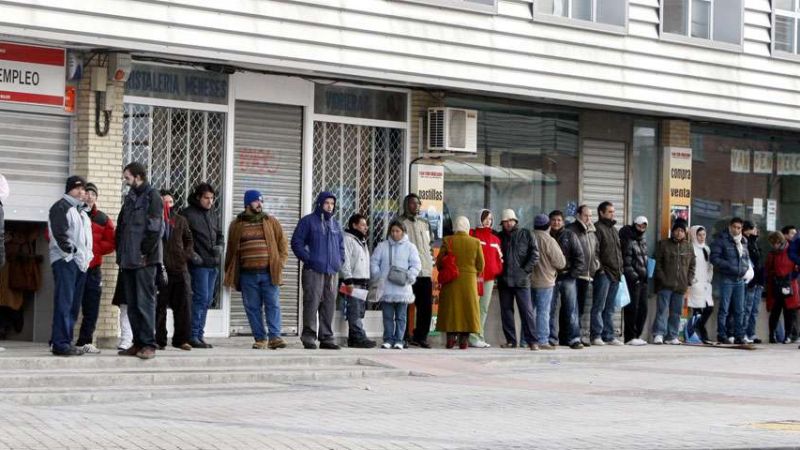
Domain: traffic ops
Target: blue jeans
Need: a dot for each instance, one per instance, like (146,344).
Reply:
(355,309)
(90,305)
(670,303)
(731,297)
(204,284)
(68,292)
(542,298)
(259,295)
(566,291)
(752,303)
(605,291)
(394,322)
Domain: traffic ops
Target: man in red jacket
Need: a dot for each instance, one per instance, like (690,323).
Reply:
(103,244)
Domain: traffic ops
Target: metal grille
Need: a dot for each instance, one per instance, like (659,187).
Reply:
(179,147)
(363,167)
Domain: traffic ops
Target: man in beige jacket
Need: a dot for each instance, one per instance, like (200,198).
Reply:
(543,279)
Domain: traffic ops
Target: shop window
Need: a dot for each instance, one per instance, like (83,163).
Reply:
(644,165)
(606,12)
(786,14)
(712,20)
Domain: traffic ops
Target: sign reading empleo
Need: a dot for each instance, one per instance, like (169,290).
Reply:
(30,74)
(677,186)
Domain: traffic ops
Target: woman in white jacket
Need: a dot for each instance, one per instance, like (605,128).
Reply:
(396,294)
(355,274)
(700,298)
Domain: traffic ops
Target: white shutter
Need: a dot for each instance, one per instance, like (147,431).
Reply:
(267,157)
(34,157)
(603,176)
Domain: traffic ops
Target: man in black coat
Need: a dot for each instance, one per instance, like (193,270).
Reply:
(565,285)
(634,266)
(752,296)
(520,255)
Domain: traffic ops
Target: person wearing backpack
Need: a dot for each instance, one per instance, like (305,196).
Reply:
(394,267)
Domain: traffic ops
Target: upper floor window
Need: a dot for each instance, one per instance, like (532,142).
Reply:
(715,20)
(488,6)
(784,26)
(610,12)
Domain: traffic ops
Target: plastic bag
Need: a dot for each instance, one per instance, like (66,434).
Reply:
(623,297)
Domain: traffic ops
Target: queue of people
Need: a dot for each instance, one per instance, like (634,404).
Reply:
(169,259)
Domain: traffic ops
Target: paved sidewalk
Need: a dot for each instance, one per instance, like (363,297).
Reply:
(651,397)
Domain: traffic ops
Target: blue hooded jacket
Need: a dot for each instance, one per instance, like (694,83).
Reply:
(318,241)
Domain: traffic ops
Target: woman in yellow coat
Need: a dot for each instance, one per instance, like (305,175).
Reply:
(459,313)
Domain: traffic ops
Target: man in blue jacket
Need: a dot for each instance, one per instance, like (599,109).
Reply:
(318,242)
(730,257)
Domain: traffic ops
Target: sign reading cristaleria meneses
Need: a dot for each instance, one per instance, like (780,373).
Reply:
(32,74)
(174,83)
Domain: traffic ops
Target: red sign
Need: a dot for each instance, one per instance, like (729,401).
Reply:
(30,74)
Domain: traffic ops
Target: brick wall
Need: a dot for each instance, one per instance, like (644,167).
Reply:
(675,133)
(99,159)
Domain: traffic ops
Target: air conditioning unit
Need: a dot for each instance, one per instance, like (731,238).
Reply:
(453,130)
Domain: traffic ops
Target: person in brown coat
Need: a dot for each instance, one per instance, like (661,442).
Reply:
(177,295)
(257,253)
(459,314)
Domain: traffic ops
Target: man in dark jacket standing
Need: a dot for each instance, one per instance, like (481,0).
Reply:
(318,242)
(139,253)
(520,255)
(606,280)
(565,284)
(204,266)
(634,266)
(756,286)
(584,229)
(103,243)
(674,274)
(730,258)
(178,250)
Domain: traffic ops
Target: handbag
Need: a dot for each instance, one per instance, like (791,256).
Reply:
(397,275)
(24,270)
(448,269)
(623,297)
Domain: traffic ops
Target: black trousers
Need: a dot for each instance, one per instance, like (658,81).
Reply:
(635,313)
(789,315)
(178,297)
(700,326)
(423,302)
(139,290)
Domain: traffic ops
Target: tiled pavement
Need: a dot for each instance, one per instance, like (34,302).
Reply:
(653,397)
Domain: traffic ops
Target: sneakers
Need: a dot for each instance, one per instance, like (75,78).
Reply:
(260,344)
(658,340)
(398,346)
(636,342)
(598,342)
(614,342)
(276,343)
(577,345)
(730,340)
(746,341)
(673,341)
(146,353)
(329,345)
(91,349)
(386,345)
(479,344)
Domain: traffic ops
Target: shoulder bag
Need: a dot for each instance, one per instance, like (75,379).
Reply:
(448,267)
(397,275)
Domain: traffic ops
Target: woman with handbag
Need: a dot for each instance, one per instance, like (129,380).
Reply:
(394,267)
(459,313)
(783,296)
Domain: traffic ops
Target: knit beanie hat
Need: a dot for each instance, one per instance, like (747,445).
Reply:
(680,223)
(251,196)
(92,187)
(541,222)
(73,182)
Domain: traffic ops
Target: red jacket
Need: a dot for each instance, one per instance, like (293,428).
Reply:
(780,266)
(103,242)
(492,255)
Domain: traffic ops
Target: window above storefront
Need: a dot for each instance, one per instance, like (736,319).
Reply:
(785,16)
(716,23)
(605,15)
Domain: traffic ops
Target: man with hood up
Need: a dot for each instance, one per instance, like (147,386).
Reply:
(419,233)
(634,266)
(318,242)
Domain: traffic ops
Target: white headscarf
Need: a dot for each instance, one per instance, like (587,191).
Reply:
(693,237)
(461,224)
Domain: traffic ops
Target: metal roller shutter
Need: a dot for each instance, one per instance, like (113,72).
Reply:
(268,157)
(34,157)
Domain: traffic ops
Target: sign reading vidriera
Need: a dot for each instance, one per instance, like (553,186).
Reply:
(30,74)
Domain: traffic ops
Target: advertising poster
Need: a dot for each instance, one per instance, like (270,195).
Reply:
(678,187)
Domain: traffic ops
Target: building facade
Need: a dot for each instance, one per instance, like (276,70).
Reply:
(577,101)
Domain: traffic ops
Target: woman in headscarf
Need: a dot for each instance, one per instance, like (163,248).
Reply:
(700,298)
(459,313)
(783,292)
(493,267)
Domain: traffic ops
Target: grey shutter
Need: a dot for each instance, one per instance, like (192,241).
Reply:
(34,157)
(268,157)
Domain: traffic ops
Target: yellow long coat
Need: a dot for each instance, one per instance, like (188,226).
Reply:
(458,300)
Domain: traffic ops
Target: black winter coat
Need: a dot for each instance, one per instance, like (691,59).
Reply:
(758,262)
(520,255)
(573,254)
(207,235)
(610,249)
(634,254)
(139,227)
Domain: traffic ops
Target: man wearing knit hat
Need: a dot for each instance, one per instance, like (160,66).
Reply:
(543,279)
(520,256)
(102,244)
(674,274)
(257,252)
(70,254)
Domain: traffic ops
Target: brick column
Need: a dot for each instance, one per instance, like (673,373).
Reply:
(99,159)
(675,134)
